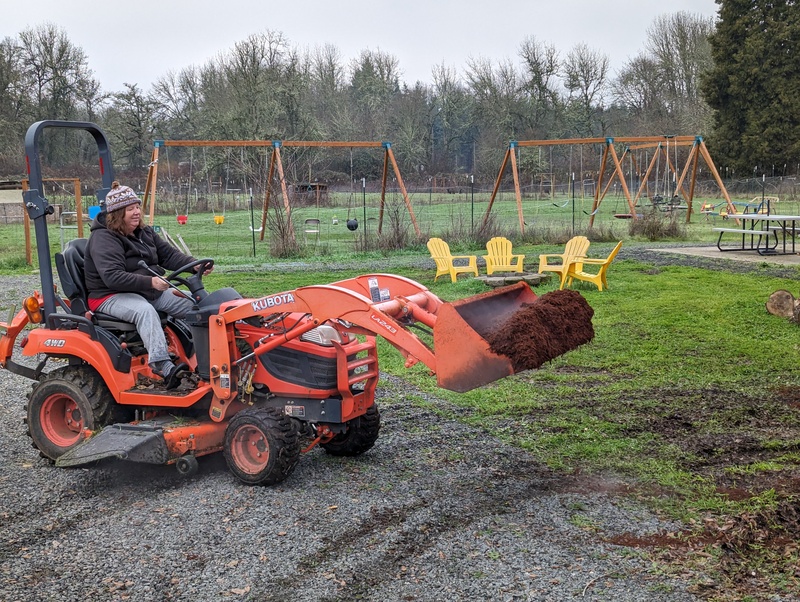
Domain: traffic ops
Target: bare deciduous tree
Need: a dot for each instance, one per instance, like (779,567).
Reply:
(56,70)
(541,64)
(178,100)
(449,120)
(586,74)
(12,98)
(660,86)
(130,120)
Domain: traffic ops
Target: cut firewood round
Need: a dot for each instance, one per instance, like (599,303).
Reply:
(782,303)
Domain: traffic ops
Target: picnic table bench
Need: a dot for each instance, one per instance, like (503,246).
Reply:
(755,238)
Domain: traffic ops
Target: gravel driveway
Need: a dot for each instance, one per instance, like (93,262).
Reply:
(437,510)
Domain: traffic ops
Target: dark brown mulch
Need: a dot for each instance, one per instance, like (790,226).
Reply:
(556,322)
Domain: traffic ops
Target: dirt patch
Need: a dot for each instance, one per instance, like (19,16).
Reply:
(774,532)
(556,322)
(790,396)
(744,446)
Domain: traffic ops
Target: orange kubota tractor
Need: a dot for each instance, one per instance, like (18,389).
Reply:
(267,372)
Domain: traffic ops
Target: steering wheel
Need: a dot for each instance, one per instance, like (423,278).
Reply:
(194,282)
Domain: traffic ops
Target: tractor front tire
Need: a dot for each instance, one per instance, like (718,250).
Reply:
(64,403)
(361,435)
(261,446)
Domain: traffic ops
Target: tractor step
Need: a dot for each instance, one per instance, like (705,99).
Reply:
(141,442)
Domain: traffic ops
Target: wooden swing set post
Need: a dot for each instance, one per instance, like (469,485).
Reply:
(631,157)
(644,184)
(509,157)
(276,153)
(618,173)
(149,200)
(276,163)
(497,180)
(710,163)
(389,156)
(267,194)
(691,161)
(597,192)
(384,177)
(517,191)
(695,156)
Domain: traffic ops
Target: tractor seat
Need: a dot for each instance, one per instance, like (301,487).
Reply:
(70,267)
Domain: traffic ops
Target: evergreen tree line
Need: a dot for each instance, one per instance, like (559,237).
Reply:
(731,80)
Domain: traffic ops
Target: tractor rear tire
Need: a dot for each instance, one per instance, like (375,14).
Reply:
(361,435)
(261,446)
(62,404)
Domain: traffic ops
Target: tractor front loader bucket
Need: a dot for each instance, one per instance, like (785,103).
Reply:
(464,359)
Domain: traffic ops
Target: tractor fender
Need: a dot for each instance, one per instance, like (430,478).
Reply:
(96,353)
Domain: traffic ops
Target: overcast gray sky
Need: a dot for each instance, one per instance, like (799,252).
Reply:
(136,41)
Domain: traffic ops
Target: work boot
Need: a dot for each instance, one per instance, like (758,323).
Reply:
(173,378)
(171,373)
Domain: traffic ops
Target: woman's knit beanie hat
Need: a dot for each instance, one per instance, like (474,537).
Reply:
(120,197)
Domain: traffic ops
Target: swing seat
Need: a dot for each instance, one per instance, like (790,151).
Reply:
(219,219)
(311,229)
(181,219)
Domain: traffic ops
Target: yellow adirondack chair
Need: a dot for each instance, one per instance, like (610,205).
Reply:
(500,258)
(440,252)
(576,270)
(574,250)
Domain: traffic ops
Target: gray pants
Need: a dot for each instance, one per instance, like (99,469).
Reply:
(135,308)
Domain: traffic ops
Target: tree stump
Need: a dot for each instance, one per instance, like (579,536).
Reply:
(782,303)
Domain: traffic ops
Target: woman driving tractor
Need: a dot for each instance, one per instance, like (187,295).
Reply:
(121,286)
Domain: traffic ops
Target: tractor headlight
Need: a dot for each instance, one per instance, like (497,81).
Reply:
(322,335)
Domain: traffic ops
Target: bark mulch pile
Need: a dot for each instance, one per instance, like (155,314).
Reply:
(556,322)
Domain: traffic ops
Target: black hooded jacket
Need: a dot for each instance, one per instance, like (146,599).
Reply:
(111,263)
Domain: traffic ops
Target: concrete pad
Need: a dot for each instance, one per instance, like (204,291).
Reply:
(749,256)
